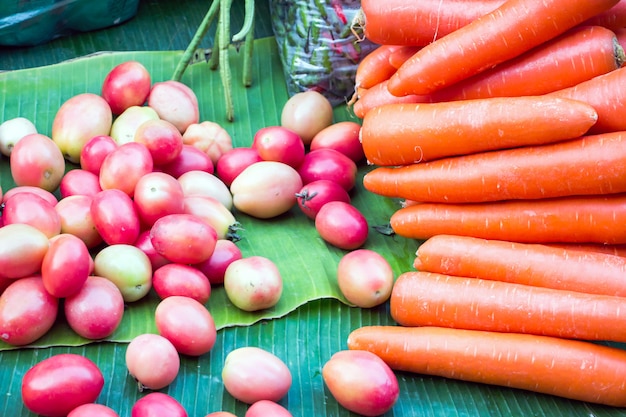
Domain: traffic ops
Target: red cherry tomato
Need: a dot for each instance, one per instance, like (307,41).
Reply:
(179,279)
(60,383)
(315,194)
(115,217)
(234,161)
(342,225)
(328,164)
(277,143)
(157,404)
(59,279)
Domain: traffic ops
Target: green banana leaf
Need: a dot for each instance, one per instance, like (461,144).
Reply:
(311,322)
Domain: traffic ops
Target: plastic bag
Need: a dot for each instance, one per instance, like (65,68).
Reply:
(33,22)
(317,46)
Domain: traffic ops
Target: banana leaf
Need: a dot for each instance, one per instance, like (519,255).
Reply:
(311,322)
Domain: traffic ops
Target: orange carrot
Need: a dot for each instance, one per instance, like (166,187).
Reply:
(607,94)
(402,54)
(572,369)
(613,18)
(431,299)
(616,250)
(583,166)
(510,30)
(379,95)
(577,55)
(401,22)
(375,67)
(592,219)
(402,134)
(522,263)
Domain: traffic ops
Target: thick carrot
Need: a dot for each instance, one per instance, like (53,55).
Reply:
(402,134)
(591,219)
(584,166)
(375,67)
(510,30)
(379,95)
(401,22)
(523,263)
(607,94)
(431,299)
(572,369)
(614,18)
(578,55)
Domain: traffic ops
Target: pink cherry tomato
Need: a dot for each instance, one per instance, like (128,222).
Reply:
(189,159)
(232,162)
(79,182)
(27,311)
(187,324)
(157,404)
(93,410)
(96,310)
(183,238)
(122,168)
(94,152)
(156,195)
(29,208)
(225,253)
(342,137)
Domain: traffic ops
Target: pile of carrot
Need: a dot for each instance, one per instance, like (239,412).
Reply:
(500,127)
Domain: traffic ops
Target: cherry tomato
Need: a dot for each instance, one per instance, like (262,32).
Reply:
(96,310)
(128,267)
(162,139)
(213,212)
(46,195)
(210,138)
(59,279)
(79,182)
(234,161)
(122,168)
(76,219)
(127,84)
(94,152)
(156,195)
(144,243)
(214,268)
(183,238)
(57,385)
(365,278)
(179,279)
(361,382)
(328,164)
(22,249)
(152,360)
(277,143)
(253,283)
(315,194)
(115,217)
(203,183)
(342,137)
(29,208)
(252,374)
(266,189)
(27,311)
(189,159)
(307,113)
(265,408)
(342,225)
(156,404)
(187,324)
(93,410)
(37,161)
